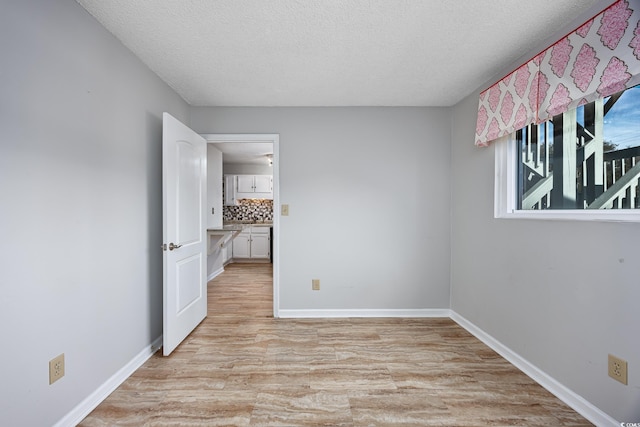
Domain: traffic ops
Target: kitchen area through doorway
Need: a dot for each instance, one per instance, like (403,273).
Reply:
(242,192)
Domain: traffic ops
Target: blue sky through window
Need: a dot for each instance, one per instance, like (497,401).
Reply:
(622,123)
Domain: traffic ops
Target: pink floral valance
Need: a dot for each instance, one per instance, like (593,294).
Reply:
(598,59)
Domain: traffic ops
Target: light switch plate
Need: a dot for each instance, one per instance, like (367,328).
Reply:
(284,210)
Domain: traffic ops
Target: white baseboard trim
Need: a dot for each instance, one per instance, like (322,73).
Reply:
(215,274)
(426,312)
(575,401)
(85,407)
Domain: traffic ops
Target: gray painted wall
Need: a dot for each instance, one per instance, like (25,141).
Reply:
(80,184)
(561,294)
(368,191)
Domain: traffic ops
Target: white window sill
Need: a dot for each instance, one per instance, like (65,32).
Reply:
(573,215)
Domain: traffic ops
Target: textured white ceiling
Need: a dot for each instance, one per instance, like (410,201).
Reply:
(329,52)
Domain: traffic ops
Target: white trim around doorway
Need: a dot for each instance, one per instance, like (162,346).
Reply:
(275,140)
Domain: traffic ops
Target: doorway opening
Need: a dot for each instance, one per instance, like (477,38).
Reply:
(253,149)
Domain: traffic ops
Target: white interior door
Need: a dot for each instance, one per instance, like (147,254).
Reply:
(184,186)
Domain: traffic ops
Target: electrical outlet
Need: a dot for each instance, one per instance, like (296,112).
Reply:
(315,284)
(618,369)
(56,368)
(284,210)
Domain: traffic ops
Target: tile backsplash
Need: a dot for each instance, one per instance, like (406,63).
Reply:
(249,210)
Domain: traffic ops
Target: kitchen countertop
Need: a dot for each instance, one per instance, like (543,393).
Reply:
(241,225)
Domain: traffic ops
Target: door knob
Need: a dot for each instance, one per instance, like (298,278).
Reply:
(172,246)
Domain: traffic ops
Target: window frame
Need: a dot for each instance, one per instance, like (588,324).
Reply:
(505,189)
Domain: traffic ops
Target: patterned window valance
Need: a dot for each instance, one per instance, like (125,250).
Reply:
(598,59)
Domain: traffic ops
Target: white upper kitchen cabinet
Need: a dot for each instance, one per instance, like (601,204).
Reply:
(230,198)
(245,183)
(263,184)
(254,186)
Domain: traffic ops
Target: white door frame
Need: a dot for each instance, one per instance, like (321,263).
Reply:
(275,140)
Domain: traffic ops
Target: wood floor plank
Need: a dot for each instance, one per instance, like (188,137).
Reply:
(242,367)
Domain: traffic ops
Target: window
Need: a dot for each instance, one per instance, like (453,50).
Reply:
(582,164)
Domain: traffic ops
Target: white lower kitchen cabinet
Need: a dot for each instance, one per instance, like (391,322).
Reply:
(260,246)
(254,243)
(242,245)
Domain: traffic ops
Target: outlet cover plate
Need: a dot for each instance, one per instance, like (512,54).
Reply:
(618,369)
(56,368)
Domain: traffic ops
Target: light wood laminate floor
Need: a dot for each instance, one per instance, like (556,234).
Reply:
(241,367)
